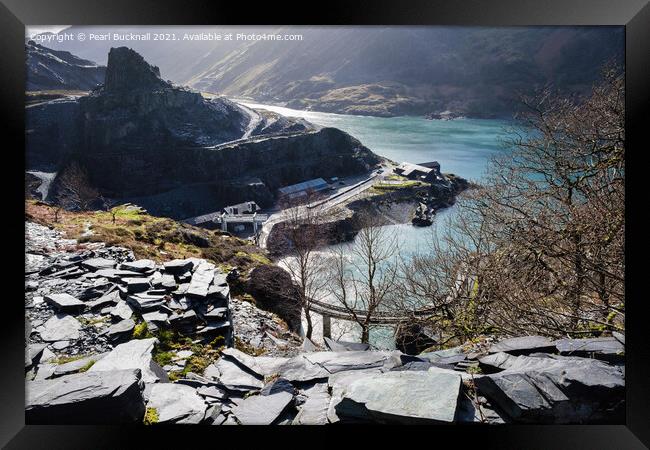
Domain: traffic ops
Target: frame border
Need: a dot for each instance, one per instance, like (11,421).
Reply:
(633,14)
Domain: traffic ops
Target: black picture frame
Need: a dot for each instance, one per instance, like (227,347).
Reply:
(634,15)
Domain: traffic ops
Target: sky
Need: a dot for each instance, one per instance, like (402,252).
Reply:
(31,30)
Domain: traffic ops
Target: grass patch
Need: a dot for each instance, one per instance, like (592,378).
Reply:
(157,238)
(247,348)
(67,359)
(150,416)
(141,331)
(87,366)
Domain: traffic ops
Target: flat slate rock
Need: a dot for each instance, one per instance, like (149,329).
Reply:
(269,365)
(334,362)
(523,345)
(117,274)
(233,377)
(136,285)
(241,358)
(402,398)
(60,327)
(176,403)
(121,310)
(140,266)
(300,369)
(201,280)
(496,362)
(87,398)
(342,346)
(98,263)
(121,330)
(314,410)
(145,302)
(76,365)
(112,298)
(33,354)
(178,266)
(135,354)
(262,410)
(559,390)
(65,303)
(607,348)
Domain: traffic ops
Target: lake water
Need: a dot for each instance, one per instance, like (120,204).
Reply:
(462,147)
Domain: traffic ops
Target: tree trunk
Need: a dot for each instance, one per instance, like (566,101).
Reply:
(310,326)
(365,334)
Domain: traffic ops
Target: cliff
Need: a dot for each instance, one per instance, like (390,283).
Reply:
(142,137)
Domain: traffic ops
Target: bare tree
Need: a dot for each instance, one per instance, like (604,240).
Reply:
(303,235)
(74,189)
(542,242)
(364,275)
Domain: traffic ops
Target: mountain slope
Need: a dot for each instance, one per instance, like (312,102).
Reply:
(49,69)
(379,70)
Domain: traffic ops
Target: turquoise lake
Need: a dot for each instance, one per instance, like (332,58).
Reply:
(463,147)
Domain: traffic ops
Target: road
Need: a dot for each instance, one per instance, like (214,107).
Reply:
(324,205)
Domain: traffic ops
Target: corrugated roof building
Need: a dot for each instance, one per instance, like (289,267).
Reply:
(295,190)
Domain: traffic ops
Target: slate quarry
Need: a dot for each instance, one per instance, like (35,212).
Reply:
(85,365)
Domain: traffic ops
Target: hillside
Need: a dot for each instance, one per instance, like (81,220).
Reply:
(384,71)
(49,69)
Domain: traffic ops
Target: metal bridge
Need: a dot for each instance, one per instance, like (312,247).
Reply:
(378,317)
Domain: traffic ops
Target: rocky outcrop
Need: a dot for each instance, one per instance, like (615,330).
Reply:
(49,69)
(142,138)
(273,290)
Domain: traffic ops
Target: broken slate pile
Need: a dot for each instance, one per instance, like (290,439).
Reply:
(84,300)
(83,365)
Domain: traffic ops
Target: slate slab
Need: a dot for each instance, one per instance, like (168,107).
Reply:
(176,403)
(65,303)
(352,360)
(140,266)
(201,279)
(557,390)
(95,264)
(135,354)
(145,302)
(60,327)
(402,398)
(314,410)
(523,345)
(88,398)
(342,346)
(120,331)
(178,266)
(605,348)
(262,410)
(77,365)
(121,310)
(233,377)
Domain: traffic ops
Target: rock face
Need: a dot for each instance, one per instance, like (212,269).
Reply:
(209,152)
(128,71)
(87,398)
(402,397)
